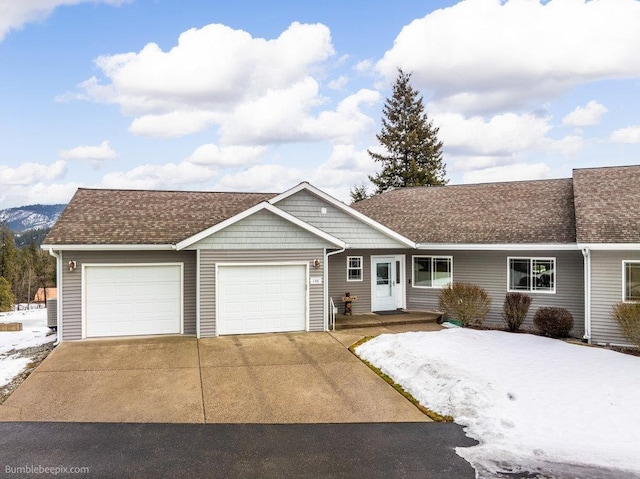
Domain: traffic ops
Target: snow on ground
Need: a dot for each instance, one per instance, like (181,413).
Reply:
(529,400)
(34,333)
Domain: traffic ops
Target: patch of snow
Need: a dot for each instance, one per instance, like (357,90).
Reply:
(34,333)
(529,400)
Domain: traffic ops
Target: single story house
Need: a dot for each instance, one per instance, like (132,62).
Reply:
(134,262)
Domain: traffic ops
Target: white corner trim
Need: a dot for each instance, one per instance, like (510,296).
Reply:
(254,209)
(345,208)
(499,246)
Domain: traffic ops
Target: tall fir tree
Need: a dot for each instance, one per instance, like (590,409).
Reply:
(413,152)
(8,254)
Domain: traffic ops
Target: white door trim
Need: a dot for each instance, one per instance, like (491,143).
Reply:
(281,263)
(399,293)
(83,287)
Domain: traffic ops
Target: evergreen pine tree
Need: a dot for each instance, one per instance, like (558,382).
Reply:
(413,152)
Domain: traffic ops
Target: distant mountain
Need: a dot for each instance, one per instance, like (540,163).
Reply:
(30,223)
(31,217)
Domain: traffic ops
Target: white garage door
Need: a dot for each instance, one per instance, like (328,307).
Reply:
(261,298)
(133,300)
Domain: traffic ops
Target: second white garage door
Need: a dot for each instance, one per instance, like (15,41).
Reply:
(126,300)
(261,298)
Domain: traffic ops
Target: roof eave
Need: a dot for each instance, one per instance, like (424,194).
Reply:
(108,247)
(498,246)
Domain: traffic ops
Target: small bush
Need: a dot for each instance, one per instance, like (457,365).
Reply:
(465,302)
(628,317)
(553,322)
(515,309)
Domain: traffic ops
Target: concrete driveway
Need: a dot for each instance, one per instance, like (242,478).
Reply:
(267,378)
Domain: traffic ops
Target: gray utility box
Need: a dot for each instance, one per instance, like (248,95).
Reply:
(52,313)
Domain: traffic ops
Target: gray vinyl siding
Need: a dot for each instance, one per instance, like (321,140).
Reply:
(307,207)
(209,259)
(487,269)
(606,290)
(262,230)
(72,283)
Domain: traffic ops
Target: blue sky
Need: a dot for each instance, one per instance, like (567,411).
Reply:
(258,96)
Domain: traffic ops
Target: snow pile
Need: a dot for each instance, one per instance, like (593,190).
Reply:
(529,400)
(34,333)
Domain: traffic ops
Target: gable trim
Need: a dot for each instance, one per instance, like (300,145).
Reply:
(346,209)
(246,213)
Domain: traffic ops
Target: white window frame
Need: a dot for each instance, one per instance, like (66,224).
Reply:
(531,259)
(433,258)
(361,268)
(624,279)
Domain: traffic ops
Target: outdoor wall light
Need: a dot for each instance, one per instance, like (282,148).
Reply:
(72,265)
(316,263)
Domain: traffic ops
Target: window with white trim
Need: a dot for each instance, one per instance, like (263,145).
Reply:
(354,268)
(534,275)
(631,280)
(432,271)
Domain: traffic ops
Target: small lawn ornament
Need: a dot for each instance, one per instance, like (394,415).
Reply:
(348,299)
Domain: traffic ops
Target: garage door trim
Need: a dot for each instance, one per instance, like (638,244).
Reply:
(118,265)
(305,264)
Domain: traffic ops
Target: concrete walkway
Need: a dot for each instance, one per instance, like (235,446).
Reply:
(266,378)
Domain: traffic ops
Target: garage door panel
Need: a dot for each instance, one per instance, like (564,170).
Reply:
(132,300)
(261,298)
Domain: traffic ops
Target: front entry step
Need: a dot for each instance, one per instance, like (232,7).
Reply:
(370,320)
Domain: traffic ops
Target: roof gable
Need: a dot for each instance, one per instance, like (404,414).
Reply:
(255,210)
(316,207)
(607,203)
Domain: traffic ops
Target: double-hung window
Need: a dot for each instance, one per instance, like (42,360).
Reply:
(532,275)
(432,271)
(631,280)
(354,268)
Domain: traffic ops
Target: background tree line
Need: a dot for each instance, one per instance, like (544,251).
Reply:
(22,270)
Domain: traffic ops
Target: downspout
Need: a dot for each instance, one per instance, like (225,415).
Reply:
(326,283)
(586,253)
(58,258)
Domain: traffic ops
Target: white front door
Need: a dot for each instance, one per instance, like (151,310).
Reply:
(383,278)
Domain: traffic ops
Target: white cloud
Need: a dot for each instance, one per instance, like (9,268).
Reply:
(500,135)
(267,178)
(338,83)
(16,13)
(216,76)
(482,56)
(28,174)
(227,156)
(38,193)
(94,153)
(176,123)
(588,115)
(167,176)
(364,66)
(630,134)
(515,172)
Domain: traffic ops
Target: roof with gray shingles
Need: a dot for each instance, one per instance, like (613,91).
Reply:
(607,204)
(517,212)
(144,217)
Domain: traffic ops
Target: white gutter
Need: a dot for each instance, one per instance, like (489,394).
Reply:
(111,247)
(498,246)
(326,284)
(586,252)
(610,246)
(58,258)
